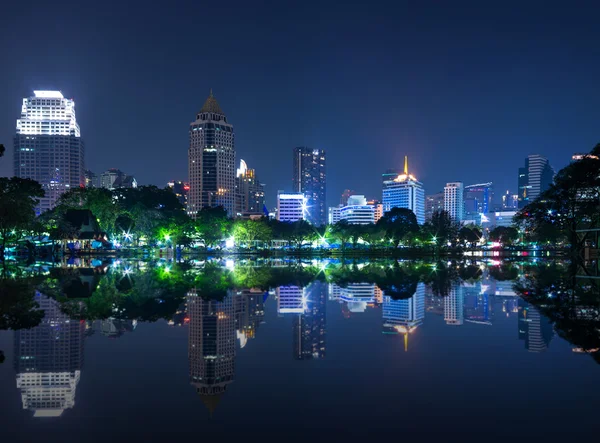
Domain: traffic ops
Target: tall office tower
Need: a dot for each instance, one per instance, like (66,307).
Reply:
(404,316)
(249,313)
(310,327)
(249,192)
(454,306)
(453,201)
(357,211)
(478,198)
(510,201)
(211,346)
(310,179)
(357,296)
(181,191)
(48,360)
(291,207)
(477,306)
(433,203)
(334,214)
(534,178)
(211,160)
(114,178)
(535,329)
(405,191)
(48,146)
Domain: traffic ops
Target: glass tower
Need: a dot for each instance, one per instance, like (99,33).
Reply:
(534,178)
(48,146)
(211,160)
(310,180)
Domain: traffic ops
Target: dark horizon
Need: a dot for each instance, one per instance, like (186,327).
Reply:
(467,90)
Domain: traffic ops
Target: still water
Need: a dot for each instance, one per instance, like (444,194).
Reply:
(288,350)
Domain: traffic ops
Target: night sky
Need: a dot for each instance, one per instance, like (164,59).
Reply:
(466,90)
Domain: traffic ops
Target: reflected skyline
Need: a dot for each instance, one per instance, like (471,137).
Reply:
(224,318)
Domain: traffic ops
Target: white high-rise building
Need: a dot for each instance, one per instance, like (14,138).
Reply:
(405,191)
(357,211)
(211,160)
(48,147)
(453,200)
(291,207)
(290,299)
(334,215)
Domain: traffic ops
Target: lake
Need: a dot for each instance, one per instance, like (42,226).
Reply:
(282,350)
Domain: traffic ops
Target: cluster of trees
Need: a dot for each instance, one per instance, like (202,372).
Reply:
(570,204)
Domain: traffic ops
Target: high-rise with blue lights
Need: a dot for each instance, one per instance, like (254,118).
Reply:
(405,191)
(48,147)
(310,179)
(534,178)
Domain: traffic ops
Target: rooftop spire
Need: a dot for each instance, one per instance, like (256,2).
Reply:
(211,105)
(406,165)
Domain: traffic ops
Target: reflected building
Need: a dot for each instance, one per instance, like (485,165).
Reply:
(477,306)
(404,316)
(115,328)
(535,329)
(356,295)
(454,306)
(211,346)
(290,300)
(48,360)
(309,328)
(249,313)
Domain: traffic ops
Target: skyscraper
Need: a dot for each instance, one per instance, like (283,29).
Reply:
(211,160)
(535,329)
(453,200)
(310,179)
(249,192)
(48,360)
(48,146)
(454,306)
(534,178)
(211,346)
(357,211)
(478,198)
(181,191)
(405,191)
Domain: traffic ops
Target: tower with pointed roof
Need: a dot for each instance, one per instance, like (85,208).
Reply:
(404,191)
(211,160)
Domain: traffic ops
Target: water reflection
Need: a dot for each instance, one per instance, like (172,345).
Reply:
(54,308)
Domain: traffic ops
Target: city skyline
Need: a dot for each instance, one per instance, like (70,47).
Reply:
(462,97)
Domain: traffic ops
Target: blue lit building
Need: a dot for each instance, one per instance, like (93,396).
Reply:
(478,198)
(404,316)
(405,191)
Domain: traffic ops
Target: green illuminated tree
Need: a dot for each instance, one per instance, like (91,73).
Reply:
(397,224)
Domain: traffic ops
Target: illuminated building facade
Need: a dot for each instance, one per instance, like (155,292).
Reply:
(290,300)
(211,160)
(48,147)
(405,191)
(249,192)
(510,201)
(48,360)
(357,211)
(377,209)
(211,346)
(534,178)
(453,200)
(310,179)
(334,215)
(433,203)
(291,207)
(404,316)
(478,198)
